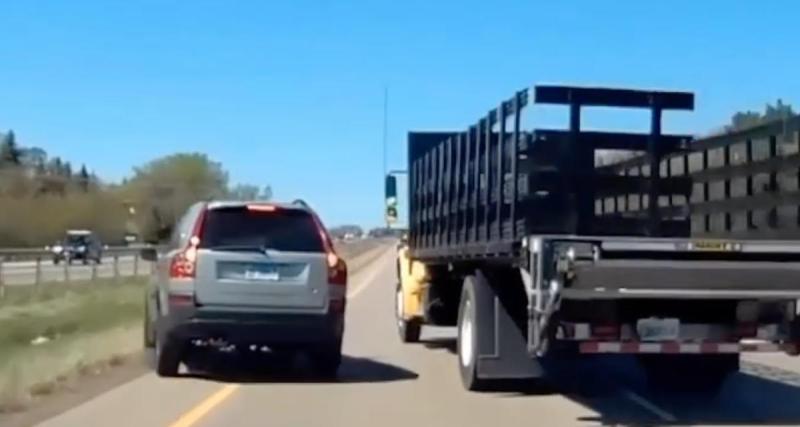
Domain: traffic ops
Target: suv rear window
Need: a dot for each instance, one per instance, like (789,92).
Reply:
(290,230)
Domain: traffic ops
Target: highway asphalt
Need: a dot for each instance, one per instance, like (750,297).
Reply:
(386,383)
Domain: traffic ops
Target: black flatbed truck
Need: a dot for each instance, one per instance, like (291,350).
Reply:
(512,241)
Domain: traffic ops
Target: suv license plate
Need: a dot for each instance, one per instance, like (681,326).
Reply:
(658,329)
(261,275)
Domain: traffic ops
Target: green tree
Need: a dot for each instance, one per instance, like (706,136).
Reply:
(166,187)
(9,150)
(266,193)
(55,166)
(244,192)
(32,157)
(83,179)
(40,167)
(747,119)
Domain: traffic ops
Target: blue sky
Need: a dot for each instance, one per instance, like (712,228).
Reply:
(290,93)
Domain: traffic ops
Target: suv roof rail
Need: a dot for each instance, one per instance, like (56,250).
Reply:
(301,202)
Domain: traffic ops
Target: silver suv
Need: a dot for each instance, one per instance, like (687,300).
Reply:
(244,276)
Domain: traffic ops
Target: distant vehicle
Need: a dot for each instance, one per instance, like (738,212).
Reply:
(240,276)
(80,245)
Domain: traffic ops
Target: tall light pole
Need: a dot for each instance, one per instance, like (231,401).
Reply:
(385,133)
(385,124)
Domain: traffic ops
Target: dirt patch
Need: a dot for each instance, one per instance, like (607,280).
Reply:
(71,391)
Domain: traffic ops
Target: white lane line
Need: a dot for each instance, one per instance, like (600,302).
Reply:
(649,406)
(366,278)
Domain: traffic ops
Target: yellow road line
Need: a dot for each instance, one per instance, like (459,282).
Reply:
(190,418)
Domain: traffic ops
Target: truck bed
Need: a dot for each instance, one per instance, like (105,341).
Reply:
(479,192)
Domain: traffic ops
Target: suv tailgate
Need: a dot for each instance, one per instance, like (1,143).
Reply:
(270,259)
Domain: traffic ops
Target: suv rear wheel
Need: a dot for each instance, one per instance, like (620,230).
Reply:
(325,360)
(167,357)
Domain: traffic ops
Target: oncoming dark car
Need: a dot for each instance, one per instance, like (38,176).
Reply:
(247,276)
(80,245)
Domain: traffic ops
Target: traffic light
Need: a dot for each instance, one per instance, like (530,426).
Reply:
(391,214)
(391,187)
(391,199)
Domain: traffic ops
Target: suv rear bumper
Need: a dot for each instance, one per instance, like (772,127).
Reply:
(185,324)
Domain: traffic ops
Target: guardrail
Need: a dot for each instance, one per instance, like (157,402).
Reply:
(32,267)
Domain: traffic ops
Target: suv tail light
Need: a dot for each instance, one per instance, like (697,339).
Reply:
(337,270)
(184,264)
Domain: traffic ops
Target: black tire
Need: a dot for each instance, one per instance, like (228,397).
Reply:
(149,336)
(56,261)
(704,373)
(85,261)
(325,361)
(467,344)
(167,358)
(408,330)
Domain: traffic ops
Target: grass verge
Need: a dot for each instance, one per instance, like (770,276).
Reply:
(56,332)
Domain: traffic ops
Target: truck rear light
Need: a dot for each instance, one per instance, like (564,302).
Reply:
(184,264)
(605,332)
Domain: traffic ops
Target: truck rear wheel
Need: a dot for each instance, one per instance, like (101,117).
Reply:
(492,347)
(468,337)
(408,329)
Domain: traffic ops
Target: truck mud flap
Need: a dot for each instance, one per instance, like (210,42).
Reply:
(502,346)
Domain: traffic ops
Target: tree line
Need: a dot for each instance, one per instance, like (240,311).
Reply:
(42,196)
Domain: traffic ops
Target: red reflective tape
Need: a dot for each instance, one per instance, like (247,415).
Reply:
(590,347)
(709,347)
(749,347)
(629,347)
(671,347)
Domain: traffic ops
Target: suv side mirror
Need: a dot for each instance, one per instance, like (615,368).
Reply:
(149,254)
